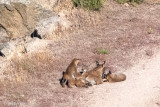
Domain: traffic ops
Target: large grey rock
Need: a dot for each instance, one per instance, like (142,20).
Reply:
(49,26)
(19,19)
(11,20)
(14,1)
(8,49)
(47,4)
(3,35)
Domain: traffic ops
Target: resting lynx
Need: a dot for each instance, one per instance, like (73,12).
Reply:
(114,77)
(94,76)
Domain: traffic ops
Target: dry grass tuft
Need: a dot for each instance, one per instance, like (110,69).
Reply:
(102,51)
(21,68)
(23,74)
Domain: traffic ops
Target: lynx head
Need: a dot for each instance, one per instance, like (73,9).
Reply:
(76,61)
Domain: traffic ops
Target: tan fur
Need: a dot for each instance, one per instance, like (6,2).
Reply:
(80,80)
(70,74)
(94,76)
(115,77)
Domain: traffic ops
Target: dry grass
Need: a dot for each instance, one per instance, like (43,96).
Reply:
(89,4)
(64,5)
(102,51)
(22,73)
(20,68)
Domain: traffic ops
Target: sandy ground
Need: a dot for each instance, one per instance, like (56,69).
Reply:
(141,89)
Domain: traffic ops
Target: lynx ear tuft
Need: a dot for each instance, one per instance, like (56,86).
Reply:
(97,63)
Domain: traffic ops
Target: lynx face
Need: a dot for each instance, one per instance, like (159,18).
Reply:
(94,76)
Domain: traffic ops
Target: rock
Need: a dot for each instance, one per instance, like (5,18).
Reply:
(3,45)
(18,20)
(149,52)
(36,44)
(14,1)
(8,49)
(11,21)
(49,26)
(1,54)
(35,15)
(126,4)
(47,4)
(3,35)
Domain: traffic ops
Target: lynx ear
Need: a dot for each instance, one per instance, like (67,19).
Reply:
(104,62)
(110,72)
(97,63)
(63,73)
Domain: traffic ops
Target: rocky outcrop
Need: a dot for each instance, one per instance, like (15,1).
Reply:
(8,49)
(47,4)
(12,20)
(17,19)
(52,25)
(20,18)
(4,37)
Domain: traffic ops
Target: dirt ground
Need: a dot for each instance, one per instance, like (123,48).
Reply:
(130,34)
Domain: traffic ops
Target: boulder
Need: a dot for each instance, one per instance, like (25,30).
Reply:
(18,19)
(52,25)
(8,49)
(47,4)
(3,35)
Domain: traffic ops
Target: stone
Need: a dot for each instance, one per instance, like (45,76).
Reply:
(8,49)
(18,20)
(4,36)
(50,25)
(11,21)
(149,53)
(126,4)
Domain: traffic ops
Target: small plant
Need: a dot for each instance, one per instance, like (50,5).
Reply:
(136,1)
(89,4)
(27,66)
(150,31)
(130,1)
(102,51)
(122,1)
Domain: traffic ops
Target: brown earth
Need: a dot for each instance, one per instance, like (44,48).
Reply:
(131,35)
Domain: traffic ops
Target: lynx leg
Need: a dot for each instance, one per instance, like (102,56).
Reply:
(70,83)
(63,82)
(100,81)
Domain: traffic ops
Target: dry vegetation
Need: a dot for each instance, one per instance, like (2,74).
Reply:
(25,74)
